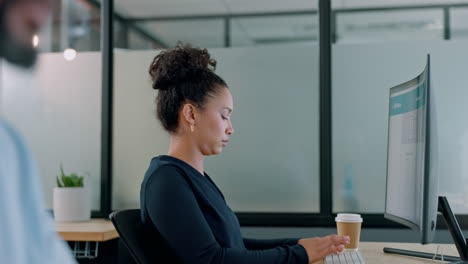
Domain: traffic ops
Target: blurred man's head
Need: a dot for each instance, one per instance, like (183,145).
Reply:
(19,21)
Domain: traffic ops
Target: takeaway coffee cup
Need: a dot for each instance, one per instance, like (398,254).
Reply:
(349,225)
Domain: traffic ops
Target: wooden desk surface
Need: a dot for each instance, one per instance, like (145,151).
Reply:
(373,252)
(93,230)
(103,230)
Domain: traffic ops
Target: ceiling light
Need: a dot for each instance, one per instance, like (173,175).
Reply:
(35,40)
(69,54)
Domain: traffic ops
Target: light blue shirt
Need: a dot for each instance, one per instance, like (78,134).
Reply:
(27,233)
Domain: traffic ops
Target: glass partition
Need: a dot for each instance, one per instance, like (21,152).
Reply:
(459,23)
(57,105)
(274,30)
(208,33)
(384,50)
(382,26)
(271,163)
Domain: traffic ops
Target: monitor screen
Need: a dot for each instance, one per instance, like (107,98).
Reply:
(411,192)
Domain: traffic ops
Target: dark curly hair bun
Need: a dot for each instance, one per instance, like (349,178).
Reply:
(182,74)
(179,65)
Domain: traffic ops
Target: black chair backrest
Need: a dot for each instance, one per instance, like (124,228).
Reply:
(144,243)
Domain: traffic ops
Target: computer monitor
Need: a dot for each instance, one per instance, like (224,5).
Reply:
(411,191)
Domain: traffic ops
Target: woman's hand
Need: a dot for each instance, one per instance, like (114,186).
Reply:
(319,247)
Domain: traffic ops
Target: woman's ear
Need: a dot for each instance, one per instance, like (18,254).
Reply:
(188,113)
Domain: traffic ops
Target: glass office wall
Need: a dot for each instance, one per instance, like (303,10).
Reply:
(207,33)
(459,23)
(268,54)
(57,105)
(217,24)
(389,25)
(274,30)
(74,25)
(272,161)
(138,38)
(378,53)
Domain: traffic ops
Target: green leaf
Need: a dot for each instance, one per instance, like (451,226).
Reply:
(75,179)
(61,170)
(81,182)
(67,181)
(72,180)
(59,184)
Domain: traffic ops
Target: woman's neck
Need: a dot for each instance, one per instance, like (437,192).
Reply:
(185,150)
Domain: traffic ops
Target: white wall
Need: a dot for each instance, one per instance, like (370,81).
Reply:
(271,163)
(137,135)
(57,108)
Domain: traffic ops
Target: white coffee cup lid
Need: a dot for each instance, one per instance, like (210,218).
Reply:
(349,218)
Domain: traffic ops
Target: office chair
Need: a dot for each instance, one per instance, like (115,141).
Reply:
(145,244)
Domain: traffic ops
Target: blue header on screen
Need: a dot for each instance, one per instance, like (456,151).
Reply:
(409,101)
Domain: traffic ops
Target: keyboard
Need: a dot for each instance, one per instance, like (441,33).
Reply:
(348,257)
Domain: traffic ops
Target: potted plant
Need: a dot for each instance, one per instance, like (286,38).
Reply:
(71,199)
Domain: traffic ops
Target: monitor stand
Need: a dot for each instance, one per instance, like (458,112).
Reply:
(460,241)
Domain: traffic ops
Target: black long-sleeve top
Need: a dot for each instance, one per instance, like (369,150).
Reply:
(192,216)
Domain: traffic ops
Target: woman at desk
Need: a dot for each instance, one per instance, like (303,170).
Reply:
(178,199)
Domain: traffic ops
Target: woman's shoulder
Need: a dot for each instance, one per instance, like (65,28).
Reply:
(165,168)
(164,163)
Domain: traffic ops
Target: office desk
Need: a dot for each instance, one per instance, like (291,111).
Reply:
(373,252)
(93,231)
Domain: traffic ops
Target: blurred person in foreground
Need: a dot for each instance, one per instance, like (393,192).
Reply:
(27,232)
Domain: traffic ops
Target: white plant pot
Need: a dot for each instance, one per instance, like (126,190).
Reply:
(71,204)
